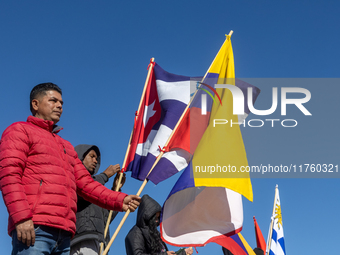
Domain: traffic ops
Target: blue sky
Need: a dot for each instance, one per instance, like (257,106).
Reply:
(98,52)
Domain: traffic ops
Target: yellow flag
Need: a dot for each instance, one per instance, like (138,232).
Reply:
(220,158)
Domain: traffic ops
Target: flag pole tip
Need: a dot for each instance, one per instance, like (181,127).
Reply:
(276,186)
(230,33)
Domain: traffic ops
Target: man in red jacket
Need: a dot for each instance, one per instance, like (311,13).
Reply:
(40,177)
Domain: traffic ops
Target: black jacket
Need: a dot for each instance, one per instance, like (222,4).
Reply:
(137,241)
(91,219)
(257,251)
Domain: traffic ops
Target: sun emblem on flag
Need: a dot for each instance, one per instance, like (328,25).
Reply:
(278,215)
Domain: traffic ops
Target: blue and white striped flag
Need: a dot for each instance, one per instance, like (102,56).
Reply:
(166,97)
(276,244)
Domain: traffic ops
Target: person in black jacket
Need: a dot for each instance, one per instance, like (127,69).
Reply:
(144,238)
(91,219)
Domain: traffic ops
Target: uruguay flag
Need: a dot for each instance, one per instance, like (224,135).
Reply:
(276,244)
(165,98)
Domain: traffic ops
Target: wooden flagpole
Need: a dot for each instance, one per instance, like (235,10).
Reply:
(152,61)
(125,216)
(269,240)
(116,189)
(175,128)
(127,213)
(155,163)
(110,215)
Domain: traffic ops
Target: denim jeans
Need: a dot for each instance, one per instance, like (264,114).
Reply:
(48,240)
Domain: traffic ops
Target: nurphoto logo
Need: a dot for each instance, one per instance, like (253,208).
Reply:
(239,105)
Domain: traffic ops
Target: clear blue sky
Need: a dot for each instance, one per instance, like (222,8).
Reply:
(98,52)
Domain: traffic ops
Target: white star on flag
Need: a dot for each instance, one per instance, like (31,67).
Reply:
(148,113)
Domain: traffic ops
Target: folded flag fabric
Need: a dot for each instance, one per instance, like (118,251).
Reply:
(219,150)
(260,242)
(203,205)
(184,141)
(166,97)
(195,216)
(236,244)
(276,244)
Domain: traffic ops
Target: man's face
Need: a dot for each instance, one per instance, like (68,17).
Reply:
(90,161)
(49,106)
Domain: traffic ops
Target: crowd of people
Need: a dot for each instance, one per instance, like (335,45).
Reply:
(56,201)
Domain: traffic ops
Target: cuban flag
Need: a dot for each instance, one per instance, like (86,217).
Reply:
(276,244)
(165,98)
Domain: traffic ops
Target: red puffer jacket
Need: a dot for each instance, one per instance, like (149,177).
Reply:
(40,176)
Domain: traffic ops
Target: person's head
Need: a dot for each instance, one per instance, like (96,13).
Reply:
(148,219)
(89,155)
(46,102)
(90,160)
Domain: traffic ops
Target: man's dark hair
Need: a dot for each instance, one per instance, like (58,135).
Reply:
(41,89)
(95,148)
